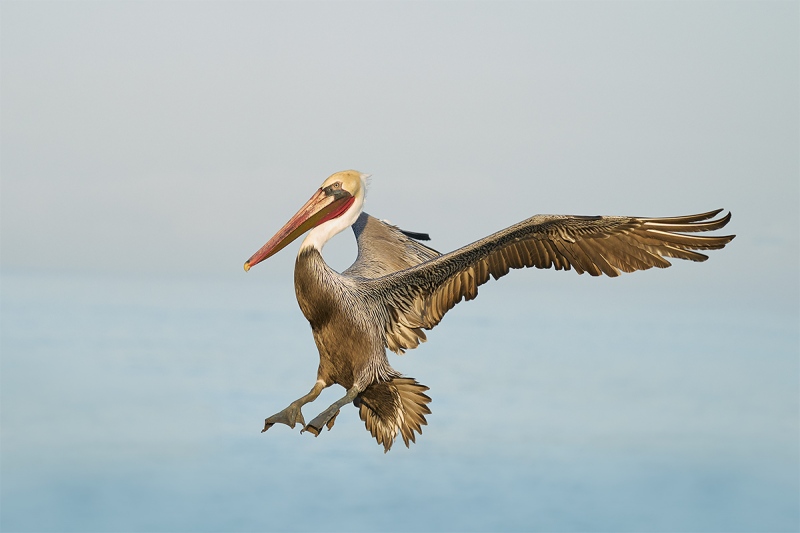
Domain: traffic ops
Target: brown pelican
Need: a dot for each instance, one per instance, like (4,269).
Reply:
(397,287)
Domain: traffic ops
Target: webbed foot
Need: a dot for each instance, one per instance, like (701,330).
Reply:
(289,416)
(325,419)
(328,416)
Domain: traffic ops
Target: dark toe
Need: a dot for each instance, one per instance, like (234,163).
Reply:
(330,422)
(312,429)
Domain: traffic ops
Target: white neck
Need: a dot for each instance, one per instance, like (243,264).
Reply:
(319,235)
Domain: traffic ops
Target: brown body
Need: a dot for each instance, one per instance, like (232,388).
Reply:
(323,298)
(334,303)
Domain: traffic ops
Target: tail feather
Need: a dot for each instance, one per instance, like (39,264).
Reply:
(391,407)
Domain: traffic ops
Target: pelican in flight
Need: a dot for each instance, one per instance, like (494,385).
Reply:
(397,287)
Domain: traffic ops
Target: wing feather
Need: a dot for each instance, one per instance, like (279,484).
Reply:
(417,297)
(384,249)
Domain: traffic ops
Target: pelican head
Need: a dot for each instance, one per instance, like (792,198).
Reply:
(334,207)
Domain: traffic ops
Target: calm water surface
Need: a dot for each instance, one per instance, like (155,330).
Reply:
(559,404)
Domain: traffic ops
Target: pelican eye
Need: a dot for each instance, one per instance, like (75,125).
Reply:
(336,189)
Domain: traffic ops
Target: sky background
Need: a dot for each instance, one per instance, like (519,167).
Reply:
(148,149)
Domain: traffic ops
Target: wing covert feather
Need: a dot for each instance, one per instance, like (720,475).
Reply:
(384,249)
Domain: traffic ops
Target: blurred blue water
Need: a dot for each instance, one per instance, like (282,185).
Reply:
(559,404)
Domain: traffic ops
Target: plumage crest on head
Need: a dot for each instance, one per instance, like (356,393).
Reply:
(366,182)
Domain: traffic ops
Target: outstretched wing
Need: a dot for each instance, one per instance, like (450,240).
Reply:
(418,297)
(384,249)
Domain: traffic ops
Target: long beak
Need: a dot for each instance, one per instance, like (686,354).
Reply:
(322,207)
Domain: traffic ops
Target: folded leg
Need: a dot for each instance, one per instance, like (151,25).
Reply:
(292,414)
